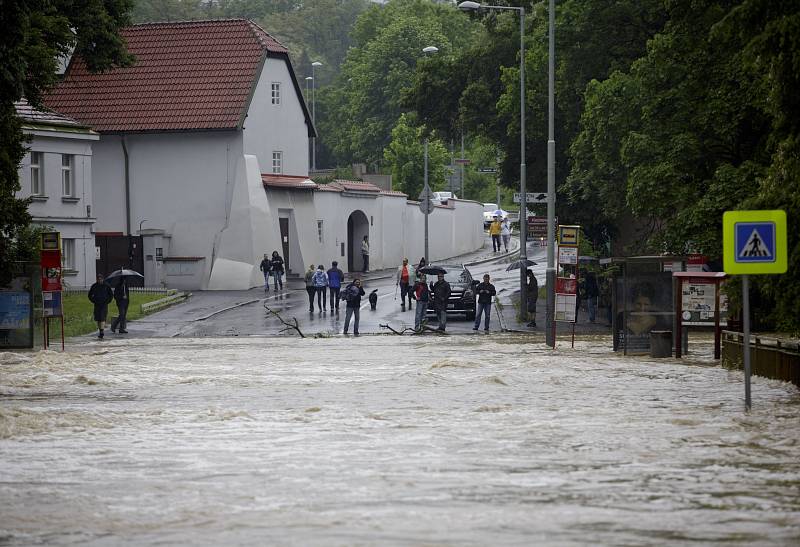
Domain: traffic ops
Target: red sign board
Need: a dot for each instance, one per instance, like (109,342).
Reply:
(566,285)
(51,270)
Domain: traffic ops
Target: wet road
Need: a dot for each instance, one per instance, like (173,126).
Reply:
(463,440)
(250,318)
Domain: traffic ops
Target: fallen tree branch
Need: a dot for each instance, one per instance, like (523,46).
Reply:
(288,326)
(422,330)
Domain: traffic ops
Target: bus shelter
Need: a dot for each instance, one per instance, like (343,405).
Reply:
(642,299)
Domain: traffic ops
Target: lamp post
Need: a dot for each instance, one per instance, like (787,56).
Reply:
(309,79)
(314,65)
(551,178)
(426,190)
(523,206)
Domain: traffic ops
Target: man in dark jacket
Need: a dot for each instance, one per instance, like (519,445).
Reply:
(533,297)
(266,268)
(441,294)
(592,292)
(122,298)
(485,292)
(277,269)
(100,295)
(335,278)
(353,293)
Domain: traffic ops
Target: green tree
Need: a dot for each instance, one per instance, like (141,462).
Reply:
(37,34)
(405,157)
(364,103)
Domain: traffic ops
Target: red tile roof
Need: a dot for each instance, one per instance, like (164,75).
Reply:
(355,186)
(288,181)
(194,75)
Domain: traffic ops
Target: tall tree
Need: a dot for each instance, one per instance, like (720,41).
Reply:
(364,103)
(405,158)
(37,35)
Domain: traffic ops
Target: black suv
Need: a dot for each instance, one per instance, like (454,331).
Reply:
(462,290)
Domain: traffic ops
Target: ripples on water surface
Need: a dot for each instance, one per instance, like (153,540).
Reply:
(387,440)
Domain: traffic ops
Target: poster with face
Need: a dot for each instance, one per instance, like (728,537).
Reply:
(644,304)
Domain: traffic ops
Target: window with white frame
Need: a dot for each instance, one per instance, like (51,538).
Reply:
(319,231)
(67,254)
(67,175)
(277,162)
(37,173)
(276,93)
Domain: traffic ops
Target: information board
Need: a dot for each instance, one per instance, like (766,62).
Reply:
(16,325)
(698,305)
(566,307)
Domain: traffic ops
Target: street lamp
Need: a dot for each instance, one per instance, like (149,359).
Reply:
(309,79)
(523,206)
(426,190)
(314,65)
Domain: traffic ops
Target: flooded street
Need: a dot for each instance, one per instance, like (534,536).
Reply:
(461,440)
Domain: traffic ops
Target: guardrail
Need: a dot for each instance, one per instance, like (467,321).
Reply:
(770,357)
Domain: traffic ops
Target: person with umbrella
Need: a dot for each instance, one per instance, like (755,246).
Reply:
(505,232)
(119,281)
(100,295)
(422,295)
(353,294)
(533,297)
(495,229)
(122,298)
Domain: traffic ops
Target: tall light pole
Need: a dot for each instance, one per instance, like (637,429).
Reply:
(551,179)
(426,190)
(523,206)
(314,65)
(309,79)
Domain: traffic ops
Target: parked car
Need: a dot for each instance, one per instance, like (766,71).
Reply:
(442,197)
(462,291)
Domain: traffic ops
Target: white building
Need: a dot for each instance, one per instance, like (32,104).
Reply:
(203,152)
(56,174)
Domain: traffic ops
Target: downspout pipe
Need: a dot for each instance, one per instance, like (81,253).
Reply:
(127,185)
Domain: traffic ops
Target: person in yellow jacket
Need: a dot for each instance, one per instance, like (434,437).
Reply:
(494,230)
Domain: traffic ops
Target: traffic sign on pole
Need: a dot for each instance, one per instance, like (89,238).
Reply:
(425,203)
(531,197)
(754,242)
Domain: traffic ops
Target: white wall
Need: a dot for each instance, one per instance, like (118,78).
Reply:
(181,183)
(282,127)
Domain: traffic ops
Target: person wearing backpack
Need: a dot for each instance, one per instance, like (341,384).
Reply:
(310,288)
(353,294)
(320,280)
(335,278)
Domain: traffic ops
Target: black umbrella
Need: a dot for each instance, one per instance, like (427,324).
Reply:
(116,277)
(517,264)
(434,270)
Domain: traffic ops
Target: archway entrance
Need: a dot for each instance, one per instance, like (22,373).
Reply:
(357,228)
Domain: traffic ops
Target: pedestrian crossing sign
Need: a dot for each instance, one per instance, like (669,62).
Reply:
(754,242)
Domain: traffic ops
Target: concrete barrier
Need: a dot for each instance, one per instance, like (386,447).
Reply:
(661,343)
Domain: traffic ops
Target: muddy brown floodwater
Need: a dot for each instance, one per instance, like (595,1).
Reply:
(387,440)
